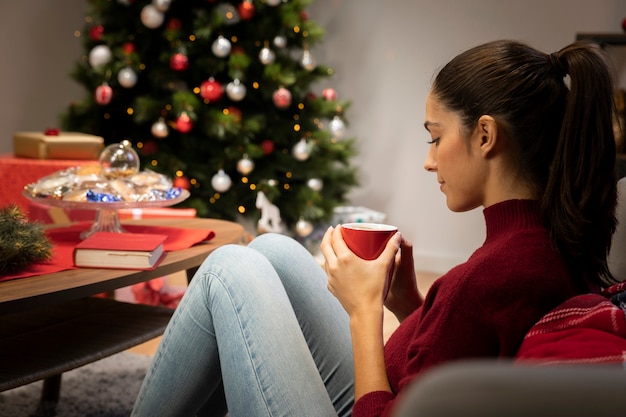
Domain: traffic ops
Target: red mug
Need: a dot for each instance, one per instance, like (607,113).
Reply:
(367,240)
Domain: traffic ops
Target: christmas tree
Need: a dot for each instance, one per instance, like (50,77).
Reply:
(220,96)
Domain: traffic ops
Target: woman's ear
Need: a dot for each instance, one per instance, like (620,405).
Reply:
(487,135)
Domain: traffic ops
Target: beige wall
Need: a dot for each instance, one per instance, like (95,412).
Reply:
(384,53)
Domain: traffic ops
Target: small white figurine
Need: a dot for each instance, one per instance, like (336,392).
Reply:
(270,220)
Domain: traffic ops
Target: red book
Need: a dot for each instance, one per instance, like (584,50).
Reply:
(120,250)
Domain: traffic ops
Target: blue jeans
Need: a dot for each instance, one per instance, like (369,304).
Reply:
(257,333)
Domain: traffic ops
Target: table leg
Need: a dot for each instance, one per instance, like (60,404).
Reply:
(51,388)
(191,272)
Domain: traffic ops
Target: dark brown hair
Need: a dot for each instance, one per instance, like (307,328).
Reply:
(556,112)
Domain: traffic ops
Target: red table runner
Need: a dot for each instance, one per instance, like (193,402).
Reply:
(65,238)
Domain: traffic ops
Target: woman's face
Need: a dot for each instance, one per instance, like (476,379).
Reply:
(455,158)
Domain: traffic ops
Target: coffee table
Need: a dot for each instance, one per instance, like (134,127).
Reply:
(50,324)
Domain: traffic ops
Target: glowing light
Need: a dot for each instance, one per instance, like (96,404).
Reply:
(241,209)
(130,111)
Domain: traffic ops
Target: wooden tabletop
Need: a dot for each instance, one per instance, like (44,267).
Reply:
(44,290)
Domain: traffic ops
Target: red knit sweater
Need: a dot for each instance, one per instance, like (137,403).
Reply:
(481,308)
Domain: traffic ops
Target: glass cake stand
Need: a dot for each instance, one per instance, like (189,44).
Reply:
(107,219)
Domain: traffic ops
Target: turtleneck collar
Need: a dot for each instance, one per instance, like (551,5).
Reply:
(511,215)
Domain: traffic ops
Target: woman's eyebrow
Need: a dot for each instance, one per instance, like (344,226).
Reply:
(428,124)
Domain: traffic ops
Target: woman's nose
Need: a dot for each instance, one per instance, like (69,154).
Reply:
(430,164)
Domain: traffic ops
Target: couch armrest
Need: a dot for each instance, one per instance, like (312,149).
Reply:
(492,388)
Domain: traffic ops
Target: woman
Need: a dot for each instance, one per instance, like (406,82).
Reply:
(258,332)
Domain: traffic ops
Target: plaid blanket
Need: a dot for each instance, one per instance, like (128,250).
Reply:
(586,329)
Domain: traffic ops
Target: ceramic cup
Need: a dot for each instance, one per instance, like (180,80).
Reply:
(367,240)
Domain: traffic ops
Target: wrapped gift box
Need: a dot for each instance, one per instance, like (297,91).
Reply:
(57,145)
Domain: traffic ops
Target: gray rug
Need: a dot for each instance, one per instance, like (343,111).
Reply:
(106,388)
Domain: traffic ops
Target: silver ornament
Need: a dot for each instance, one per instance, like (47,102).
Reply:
(280,42)
(162,5)
(229,13)
(100,55)
(303,227)
(221,47)
(337,127)
(315,184)
(221,182)
(266,56)
(127,77)
(152,17)
(273,2)
(159,129)
(235,90)
(308,61)
(245,165)
(301,150)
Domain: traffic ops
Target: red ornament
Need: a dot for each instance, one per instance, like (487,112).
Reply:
(128,48)
(96,32)
(182,182)
(103,94)
(624,24)
(282,98)
(174,24)
(235,113)
(329,94)
(304,16)
(211,90)
(179,62)
(246,10)
(268,146)
(184,123)
(149,147)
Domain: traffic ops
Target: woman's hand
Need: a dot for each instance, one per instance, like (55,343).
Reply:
(357,283)
(403,297)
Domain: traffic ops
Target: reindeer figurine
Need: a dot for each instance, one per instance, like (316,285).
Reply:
(270,220)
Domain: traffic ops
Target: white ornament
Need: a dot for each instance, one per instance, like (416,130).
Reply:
(127,77)
(162,5)
(235,90)
(303,228)
(221,47)
(221,182)
(315,184)
(100,55)
(301,150)
(229,13)
(159,129)
(245,165)
(337,127)
(266,56)
(270,215)
(152,17)
(308,61)
(273,2)
(280,42)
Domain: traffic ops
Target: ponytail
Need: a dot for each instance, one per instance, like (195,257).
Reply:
(580,194)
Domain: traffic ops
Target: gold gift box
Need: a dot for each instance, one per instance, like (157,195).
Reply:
(60,145)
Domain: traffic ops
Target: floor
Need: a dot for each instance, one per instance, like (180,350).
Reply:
(425,279)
